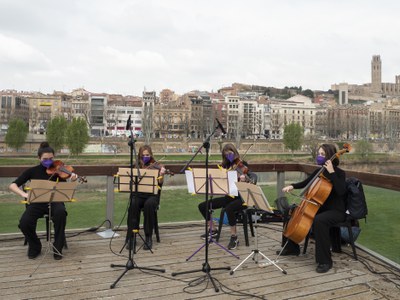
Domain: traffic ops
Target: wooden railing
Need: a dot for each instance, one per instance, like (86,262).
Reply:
(391,182)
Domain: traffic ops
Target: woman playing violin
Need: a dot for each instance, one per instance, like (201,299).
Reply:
(147,202)
(33,211)
(230,161)
(329,214)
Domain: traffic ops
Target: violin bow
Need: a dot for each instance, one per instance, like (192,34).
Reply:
(244,155)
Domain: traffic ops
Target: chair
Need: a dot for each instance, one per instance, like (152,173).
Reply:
(244,216)
(156,229)
(348,223)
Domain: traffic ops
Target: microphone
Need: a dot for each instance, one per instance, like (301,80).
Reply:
(128,123)
(220,126)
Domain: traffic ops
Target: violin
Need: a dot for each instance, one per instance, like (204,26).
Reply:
(63,171)
(313,196)
(154,165)
(242,169)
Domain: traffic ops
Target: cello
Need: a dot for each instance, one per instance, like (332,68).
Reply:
(313,197)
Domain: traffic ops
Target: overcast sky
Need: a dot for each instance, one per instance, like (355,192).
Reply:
(124,46)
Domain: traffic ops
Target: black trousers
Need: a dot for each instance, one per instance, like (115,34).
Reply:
(149,204)
(231,205)
(325,235)
(29,218)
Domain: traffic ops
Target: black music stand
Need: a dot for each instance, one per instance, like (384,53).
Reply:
(221,183)
(46,191)
(133,189)
(254,198)
(206,268)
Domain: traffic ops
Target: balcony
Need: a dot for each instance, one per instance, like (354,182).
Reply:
(85,270)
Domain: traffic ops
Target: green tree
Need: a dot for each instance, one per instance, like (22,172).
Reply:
(55,132)
(293,136)
(77,136)
(16,134)
(308,93)
(363,147)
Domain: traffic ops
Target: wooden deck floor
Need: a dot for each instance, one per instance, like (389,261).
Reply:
(85,272)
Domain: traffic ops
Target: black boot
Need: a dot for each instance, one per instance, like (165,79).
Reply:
(149,243)
(291,248)
(131,245)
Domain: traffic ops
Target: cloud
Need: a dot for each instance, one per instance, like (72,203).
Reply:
(124,45)
(141,59)
(17,53)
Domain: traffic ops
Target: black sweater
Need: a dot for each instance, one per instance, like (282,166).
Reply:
(36,172)
(337,197)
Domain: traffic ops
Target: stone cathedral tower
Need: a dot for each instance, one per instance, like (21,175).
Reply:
(376,74)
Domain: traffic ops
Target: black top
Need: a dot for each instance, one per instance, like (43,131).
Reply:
(36,172)
(337,197)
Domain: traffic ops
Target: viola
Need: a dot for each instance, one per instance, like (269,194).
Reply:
(63,171)
(313,196)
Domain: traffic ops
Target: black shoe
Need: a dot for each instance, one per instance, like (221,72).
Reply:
(214,234)
(233,243)
(149,243)
(131,245)
(34,252)
(287,252)
(323,268)
(57,256)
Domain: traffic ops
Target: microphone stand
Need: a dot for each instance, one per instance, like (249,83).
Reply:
(130,264)
(206,268)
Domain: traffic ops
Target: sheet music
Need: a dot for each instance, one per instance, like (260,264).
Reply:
(233,179)
(253,195)
(217,181)
(190,181)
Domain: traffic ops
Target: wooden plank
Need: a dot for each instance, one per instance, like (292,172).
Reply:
(85,271)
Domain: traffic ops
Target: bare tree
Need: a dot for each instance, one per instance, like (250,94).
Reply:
(147,122)
(238,131)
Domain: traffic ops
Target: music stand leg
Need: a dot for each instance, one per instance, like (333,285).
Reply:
(130,264)
(255,252)
(212,241)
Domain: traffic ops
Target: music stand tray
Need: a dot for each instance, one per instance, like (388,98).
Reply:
(46,191)
(148,180)
(254,197)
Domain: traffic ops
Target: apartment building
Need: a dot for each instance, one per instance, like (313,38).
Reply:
(13,105)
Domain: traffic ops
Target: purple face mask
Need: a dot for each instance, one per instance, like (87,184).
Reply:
(230,157)
(47,163)
(146,159)
(320,160)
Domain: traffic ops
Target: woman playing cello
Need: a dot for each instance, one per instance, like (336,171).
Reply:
(329,214)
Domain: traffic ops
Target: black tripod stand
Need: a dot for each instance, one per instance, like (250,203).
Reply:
(206,268)
(130,264)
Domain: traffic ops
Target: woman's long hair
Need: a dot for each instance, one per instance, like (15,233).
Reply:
(140,155)
(330,150)
(229,147)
